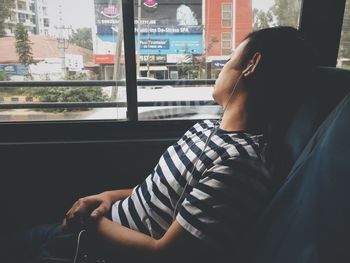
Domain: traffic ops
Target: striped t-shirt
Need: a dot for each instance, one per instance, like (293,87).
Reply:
(229,189)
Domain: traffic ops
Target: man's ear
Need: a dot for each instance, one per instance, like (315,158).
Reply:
(253,63)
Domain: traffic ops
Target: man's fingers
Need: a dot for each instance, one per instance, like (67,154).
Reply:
(78,209)
(100,211)
(64,223)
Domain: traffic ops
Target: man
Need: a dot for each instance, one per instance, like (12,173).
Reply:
(229,186)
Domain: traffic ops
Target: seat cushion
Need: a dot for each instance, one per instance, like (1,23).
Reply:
(308,220)
(290,135)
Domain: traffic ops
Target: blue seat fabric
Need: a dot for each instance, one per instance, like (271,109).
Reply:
(308,220)
(291,134)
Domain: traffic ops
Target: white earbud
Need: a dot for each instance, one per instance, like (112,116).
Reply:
(247,69)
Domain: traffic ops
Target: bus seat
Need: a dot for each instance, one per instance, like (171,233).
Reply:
(308,219)
(292,133)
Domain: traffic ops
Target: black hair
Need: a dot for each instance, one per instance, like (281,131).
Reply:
(287,64)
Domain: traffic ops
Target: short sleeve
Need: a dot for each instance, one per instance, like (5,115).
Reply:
(226,202)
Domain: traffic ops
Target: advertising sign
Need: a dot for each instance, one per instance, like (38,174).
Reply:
(74,62)
(153,58)
(169,12)
(155,43)
(166,27)
(14,69)
(218,64)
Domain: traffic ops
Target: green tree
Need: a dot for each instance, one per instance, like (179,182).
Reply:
(202,61)
(82,37)
(23,45)
(282,13)
(286,12)
(344,51)
(189,67)
(6,7)
(262,19)
(70,94)
(3,76)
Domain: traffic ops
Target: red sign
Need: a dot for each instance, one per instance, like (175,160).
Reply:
(107,59)
(104,59)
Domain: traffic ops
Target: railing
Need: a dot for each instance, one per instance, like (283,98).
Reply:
(86,84)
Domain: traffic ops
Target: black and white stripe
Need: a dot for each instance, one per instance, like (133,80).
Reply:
(230,184)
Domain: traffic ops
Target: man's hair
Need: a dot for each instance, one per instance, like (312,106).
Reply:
(286,66)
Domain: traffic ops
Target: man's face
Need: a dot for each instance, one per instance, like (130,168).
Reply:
(229,76)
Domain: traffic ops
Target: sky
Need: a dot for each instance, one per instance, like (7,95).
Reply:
(80,13)
(76,13)
(262,4)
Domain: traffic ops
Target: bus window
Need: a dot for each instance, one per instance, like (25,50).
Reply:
(188,43)
(344,49)
(181,47)
(70,59)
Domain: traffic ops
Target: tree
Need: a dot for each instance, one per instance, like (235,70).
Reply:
(23,45)
(286,12)
(189,67)
(70,94)
(202,61)
(82,37)
(6,7)
(262,19)
(282,13)
(3,76)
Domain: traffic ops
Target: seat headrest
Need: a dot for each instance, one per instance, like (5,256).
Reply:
(289,136)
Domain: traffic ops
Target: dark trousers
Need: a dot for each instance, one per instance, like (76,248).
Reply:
(26,246)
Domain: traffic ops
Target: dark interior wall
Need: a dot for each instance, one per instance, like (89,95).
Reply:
(41,180)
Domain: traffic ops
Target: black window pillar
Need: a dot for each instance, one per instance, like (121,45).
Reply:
(321,21)
(130,59)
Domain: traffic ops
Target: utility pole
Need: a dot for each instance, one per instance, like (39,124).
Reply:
(138,38)
(62,42)
(118,53)
(148,55)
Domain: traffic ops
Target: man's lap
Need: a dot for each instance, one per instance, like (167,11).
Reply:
(28,244)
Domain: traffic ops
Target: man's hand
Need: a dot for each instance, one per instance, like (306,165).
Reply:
(88,209)
(91,208)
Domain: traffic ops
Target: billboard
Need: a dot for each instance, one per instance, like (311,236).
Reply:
(166,27)
(14,69)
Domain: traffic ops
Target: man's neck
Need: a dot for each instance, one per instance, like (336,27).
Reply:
(235,118)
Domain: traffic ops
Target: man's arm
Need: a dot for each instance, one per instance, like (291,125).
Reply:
(218,211)
(177,245)
(92,207)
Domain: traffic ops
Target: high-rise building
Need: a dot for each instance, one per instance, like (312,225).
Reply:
(227,23)
(32,14)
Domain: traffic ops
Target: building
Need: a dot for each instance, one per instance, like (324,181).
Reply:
(32,14)
(174,40)
(47,56)
(227,23)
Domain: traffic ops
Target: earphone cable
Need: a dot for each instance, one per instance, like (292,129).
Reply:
(212,133)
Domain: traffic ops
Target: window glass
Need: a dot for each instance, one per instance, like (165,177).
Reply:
(227,15)
(62,42)
(269,13)
(180,46)
(226,43)
(344,49)
(192,40)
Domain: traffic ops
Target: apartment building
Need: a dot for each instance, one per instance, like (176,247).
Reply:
(32,14)
(227,23)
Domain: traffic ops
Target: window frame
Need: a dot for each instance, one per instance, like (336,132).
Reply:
(223,11)
(229,40)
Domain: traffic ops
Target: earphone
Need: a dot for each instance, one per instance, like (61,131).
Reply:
(212,133)
(247,69)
